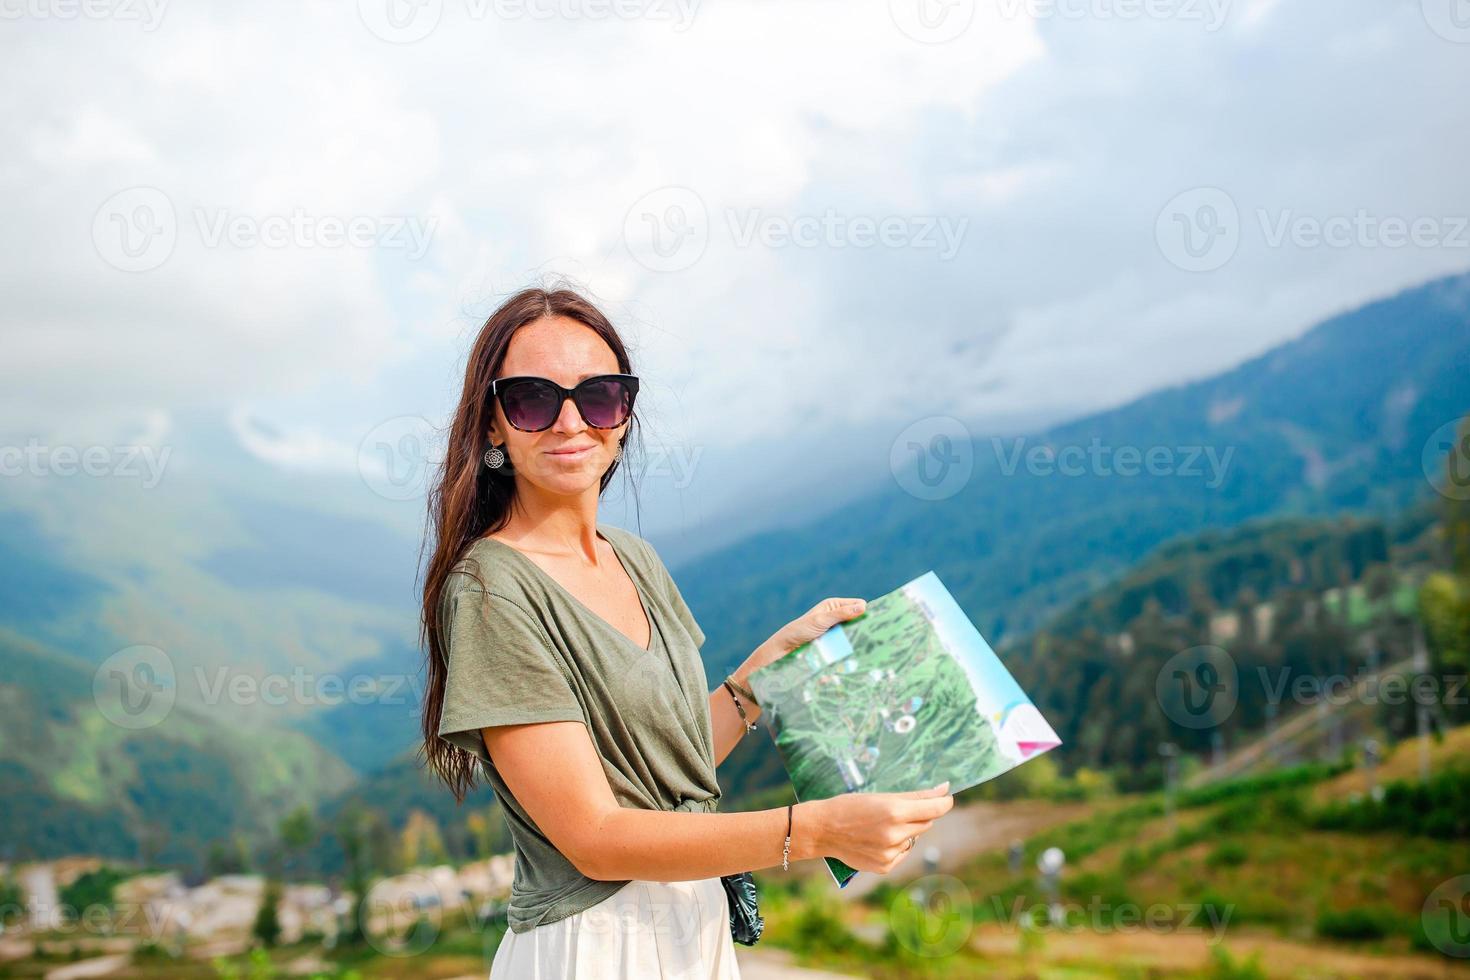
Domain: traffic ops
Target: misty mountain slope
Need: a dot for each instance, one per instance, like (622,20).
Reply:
(1336,419)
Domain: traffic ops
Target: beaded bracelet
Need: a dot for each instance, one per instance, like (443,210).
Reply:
(744,691)
(738,706)
(786,849)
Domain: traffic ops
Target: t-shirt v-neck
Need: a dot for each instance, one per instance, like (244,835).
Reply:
(653,637)
(523,649)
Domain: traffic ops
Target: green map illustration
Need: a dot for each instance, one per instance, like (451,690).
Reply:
(894,700)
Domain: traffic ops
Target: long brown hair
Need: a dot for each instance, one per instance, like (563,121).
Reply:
(467,500)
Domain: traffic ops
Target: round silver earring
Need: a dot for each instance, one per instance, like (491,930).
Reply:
(494,457)
(618,453)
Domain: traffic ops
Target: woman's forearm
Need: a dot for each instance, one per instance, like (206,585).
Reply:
(663,845)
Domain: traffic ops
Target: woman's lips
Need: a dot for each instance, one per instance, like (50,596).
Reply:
(573,454)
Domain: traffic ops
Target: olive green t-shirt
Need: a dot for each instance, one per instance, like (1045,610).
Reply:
(524,649)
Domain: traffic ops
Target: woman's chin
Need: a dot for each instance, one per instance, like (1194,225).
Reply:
(570,482)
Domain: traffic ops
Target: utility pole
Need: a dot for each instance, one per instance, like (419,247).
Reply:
(1421,709)
(1370,766)
(1170,752)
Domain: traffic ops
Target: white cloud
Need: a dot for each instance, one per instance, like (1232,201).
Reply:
(520,145)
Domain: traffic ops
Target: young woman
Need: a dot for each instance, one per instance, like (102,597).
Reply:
(563,661)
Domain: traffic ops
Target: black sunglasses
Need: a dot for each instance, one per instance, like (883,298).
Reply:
(533,404)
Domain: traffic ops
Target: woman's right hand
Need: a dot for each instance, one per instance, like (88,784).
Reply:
(870,831)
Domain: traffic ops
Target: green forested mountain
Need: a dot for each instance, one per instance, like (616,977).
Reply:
(72,782)
(1335,420)
(1053,567)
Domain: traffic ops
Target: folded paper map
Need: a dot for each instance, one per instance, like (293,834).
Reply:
(901,698)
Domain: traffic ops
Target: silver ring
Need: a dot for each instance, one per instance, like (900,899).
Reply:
(910,845)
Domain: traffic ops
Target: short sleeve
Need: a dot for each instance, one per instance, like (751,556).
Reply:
(502,671)
(676,601)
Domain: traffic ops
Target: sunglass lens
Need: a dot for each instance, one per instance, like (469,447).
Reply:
(531,405)
(605,404)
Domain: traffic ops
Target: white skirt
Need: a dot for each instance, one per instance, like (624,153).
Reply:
(676,930)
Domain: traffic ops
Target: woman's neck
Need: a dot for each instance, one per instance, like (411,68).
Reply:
(557,526)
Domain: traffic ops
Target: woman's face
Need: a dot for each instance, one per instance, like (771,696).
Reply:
(565,351)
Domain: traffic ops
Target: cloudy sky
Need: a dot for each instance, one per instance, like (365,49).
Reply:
(277,226)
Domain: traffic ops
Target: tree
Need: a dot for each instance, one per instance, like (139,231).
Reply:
(1457,501)
(297,833)
(352,830)
(421,841)
(267,929)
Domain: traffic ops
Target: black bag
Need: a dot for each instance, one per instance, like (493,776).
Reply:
(746,923)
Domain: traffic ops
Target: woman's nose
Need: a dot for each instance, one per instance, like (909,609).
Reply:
(570,417)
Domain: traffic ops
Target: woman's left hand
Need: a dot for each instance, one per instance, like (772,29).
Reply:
(822,617)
